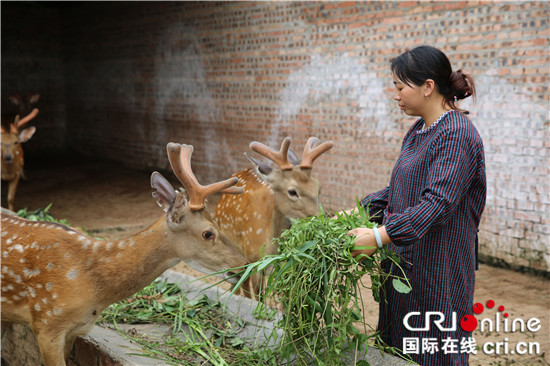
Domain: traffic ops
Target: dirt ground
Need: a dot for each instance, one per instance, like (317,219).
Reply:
(112,202)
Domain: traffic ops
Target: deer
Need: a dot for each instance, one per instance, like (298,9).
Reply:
(57,280)
(12,153)
(272,198)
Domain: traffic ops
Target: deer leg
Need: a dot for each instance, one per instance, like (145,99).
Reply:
(12,188)
(52,347)
(69,342)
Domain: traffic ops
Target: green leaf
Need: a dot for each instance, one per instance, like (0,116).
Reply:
(400,286)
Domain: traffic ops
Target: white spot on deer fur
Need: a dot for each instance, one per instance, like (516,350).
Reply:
(50,266)
(121,244)
(45,321)
(48,313)
(16,298)
(72,274)
(86,244)
(18,247)
(22,260)
(68,255)
(49,286)
(57,311)
(5,254)
(132,242)
(9,241)
(4,233)
(109,245)
(96,246)
(5,269)
(31,273)
(54,296)
(32,292)
(37,307)
(259,231)
(45,300)
(4,299)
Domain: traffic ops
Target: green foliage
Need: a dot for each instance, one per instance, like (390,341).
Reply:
(201,329)
(318,281)
(41,214)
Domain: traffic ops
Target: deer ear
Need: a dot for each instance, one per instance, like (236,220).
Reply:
(293,158)
(164,192)
(26,134)
(14,99)
(262,167)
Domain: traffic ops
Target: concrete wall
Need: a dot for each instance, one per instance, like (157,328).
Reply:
(119,80)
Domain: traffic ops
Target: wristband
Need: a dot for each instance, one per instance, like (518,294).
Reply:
(378,238)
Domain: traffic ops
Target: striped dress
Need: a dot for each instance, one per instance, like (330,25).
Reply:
(431,210)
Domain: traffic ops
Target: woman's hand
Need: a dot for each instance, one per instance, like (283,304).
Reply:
(364,237)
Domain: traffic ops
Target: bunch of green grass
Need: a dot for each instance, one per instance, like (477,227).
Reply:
(201,331)
(318,282)
(41,214)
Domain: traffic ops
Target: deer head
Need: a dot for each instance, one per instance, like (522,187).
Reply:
(296,191)
(186,214)
(271,198)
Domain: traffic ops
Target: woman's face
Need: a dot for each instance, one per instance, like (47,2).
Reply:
(410,99)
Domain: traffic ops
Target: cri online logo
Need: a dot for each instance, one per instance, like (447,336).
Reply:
(469,322)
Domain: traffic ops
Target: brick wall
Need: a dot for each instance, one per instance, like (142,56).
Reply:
(218,75)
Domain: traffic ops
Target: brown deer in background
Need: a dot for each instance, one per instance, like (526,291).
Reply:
(58,280)
(271,198)
(12,153)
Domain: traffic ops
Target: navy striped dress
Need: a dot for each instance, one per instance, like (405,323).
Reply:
(431,210)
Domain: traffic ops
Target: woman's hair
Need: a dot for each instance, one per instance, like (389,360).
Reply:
(425,62)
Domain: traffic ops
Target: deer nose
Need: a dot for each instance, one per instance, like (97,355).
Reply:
(8,158)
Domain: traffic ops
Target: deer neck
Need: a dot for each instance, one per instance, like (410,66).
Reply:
(134,262)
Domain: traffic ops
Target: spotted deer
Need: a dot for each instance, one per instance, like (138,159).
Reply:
(12,153)
(271,198)
(57,279)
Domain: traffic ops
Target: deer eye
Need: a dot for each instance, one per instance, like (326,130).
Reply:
(292,193)
(208,235)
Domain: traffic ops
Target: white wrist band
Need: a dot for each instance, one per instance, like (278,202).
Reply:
(378,238)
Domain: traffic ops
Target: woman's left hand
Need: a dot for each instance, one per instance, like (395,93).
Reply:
(364,237)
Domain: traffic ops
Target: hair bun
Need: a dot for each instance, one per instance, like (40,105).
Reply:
(462,85)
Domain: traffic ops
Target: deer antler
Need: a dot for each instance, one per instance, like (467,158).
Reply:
(279,157)
(179,156)
(310,154)
(20,122)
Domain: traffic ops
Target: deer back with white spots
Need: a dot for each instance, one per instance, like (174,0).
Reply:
(12,153)
(272,196)
(57,279)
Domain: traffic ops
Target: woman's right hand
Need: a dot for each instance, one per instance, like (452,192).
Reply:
(364,237)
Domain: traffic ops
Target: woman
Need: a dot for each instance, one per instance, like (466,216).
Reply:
(430,212)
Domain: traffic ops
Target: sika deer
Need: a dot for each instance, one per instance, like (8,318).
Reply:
(58,280)
(271,198)
(12,154)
